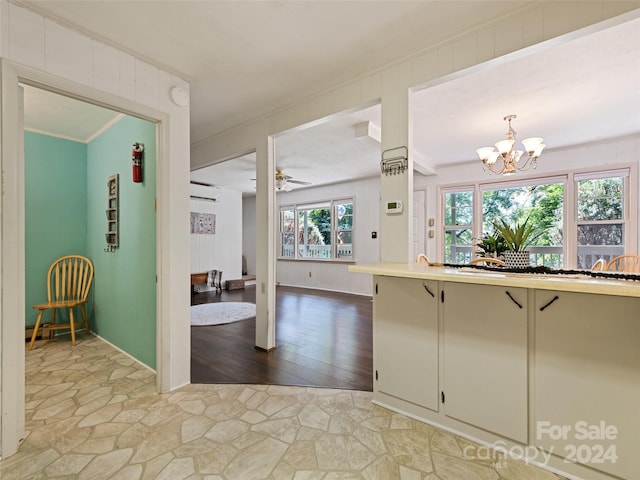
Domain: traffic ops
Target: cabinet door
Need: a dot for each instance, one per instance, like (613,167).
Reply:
(485,357)
(587,379)
(406,339)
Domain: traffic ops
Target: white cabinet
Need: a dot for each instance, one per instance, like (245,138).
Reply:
(406,339)
(587,379)
(485,357)
(549,369)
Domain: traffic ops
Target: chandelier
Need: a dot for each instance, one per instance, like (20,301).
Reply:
(510,159)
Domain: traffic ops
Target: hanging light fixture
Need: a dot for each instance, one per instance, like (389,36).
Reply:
(511,159)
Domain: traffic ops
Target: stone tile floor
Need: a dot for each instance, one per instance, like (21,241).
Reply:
(93,413)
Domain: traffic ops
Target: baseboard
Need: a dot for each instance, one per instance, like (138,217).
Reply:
(43,332)
(123,352)
(279,284)
(260,349)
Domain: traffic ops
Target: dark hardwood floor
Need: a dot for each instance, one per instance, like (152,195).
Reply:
(322,339)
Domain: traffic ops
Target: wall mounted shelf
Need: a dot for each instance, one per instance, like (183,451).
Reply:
(112,212)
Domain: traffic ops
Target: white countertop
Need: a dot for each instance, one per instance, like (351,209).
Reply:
(565,283)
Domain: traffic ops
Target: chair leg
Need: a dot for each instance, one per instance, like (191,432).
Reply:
(53,322)
(73,327)
(35,329)
(84,317)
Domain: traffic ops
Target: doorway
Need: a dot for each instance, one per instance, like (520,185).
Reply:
(71,149)
(13,241)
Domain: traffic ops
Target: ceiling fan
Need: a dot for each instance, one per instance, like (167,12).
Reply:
(283,181)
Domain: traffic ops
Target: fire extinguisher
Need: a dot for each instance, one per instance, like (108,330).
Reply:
(136,157)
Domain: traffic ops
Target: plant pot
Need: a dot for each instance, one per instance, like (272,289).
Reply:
(517,259)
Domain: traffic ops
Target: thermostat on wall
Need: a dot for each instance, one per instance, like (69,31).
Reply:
(393,207)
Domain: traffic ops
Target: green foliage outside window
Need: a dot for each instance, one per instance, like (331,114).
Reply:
(541,204)
(315,238)
(321,218)
(458,220)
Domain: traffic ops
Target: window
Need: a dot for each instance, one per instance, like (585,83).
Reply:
(344,229)
(318,231)
(287,232)
(458,226)
(542,202)
(600,216)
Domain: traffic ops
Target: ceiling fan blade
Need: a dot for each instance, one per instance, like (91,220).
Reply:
(203,184)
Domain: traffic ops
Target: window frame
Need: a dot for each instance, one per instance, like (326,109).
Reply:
(442,206)
(630,232)
(570,222)
(331,205)
(528,182)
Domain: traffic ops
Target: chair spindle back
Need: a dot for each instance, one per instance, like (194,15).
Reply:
(624,263)
(69,278)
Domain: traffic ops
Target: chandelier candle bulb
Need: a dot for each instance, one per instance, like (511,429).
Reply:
(505,146)
(531,145)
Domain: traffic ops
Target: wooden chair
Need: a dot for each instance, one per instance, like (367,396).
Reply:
(422,258)
(68,283)
(599,266)
(487,261)
(624,263)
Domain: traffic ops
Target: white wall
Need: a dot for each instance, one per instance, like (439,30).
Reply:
(249,233)
(36,49)
(222,250)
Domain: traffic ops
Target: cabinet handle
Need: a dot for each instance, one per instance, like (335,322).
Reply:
(427,289)
(549,303)
(513,299)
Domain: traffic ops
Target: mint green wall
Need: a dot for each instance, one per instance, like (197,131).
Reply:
(55,210)
(125,280)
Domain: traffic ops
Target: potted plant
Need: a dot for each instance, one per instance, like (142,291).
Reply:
(491,245)
(517,238)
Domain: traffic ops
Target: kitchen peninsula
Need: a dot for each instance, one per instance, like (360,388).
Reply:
(545,365)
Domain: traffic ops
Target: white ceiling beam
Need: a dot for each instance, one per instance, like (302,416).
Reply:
(423,165)
(367,129)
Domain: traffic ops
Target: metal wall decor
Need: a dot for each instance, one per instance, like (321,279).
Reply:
(394,161)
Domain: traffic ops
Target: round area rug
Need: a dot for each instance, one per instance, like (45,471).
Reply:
(221,312)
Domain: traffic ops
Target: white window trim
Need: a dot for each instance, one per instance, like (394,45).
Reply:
(551,179)
(630,170)
(442,191)
(630,207)
(331,203)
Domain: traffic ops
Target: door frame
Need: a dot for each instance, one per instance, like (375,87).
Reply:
(12,227)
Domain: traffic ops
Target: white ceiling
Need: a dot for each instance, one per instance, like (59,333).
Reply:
(65,117)
(576,92)
(246,58)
